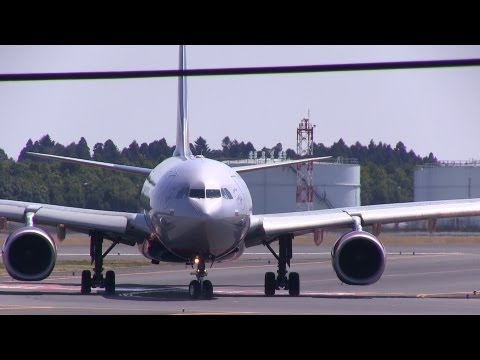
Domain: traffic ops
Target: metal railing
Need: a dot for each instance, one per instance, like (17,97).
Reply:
(451,163)
(337,160)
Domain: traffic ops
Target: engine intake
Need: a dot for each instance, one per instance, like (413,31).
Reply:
(29,254)
(358,258)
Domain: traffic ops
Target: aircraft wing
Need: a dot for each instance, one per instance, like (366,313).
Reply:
(117,226)
(124,168)
(268,226)
(241,169)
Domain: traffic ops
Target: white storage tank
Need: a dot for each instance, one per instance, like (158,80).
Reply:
(335,184)
(446,181)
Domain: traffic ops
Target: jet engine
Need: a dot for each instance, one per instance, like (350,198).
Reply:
(358,258)
(29,254)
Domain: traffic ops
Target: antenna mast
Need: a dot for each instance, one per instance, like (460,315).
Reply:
(304,194)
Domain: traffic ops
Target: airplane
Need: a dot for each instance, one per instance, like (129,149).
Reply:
(197,211)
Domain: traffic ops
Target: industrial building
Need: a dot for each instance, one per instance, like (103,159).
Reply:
(448,180)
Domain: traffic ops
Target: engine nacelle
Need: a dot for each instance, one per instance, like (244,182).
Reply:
(358,258)
(29,254)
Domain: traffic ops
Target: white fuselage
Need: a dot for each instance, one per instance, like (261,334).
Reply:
(195,207)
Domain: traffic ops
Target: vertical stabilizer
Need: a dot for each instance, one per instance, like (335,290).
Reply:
(183,144)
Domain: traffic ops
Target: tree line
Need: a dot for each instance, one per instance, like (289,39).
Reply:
(386,172)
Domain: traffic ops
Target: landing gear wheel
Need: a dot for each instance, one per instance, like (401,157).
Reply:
(194,289)
(110,282)
(270,284)
(294,284)
(86,286)
(207,289)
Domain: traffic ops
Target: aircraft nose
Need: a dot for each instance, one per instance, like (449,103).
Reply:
(206,207)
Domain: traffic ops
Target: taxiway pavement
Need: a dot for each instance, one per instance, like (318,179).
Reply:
(418,279)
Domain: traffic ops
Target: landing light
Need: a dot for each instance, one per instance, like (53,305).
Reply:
(197,260)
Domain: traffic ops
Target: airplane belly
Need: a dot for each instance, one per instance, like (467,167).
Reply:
(209,238)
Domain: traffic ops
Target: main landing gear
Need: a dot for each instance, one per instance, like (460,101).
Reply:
(97,280)
(292,283)
(200,287)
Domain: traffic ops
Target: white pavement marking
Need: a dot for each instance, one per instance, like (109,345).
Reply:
(430,273)
(45,286)
(109,255)
(410,252)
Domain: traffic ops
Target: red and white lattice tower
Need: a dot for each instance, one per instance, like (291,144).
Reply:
(305,170)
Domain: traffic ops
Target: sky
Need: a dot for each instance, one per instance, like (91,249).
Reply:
(429,110)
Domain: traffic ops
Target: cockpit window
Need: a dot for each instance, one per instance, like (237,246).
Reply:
(210,194)
(213,193)
(182,193)
(197,193)
(226,194)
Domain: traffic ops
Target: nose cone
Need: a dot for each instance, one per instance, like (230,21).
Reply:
(210,208)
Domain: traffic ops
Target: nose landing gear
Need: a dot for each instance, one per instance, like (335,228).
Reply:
(200,287)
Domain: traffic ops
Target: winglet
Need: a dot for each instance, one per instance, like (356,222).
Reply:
(183,144)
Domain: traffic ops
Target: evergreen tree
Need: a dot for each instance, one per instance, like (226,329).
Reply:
(201,147)
(98,152)
(110,152)
(3,155)
(83,151)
